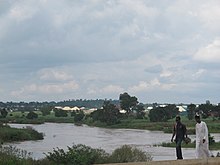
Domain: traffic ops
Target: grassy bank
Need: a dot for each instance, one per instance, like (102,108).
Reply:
(167,127)
(214,146)
(8,134)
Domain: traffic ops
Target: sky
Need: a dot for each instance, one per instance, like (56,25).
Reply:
(163,51)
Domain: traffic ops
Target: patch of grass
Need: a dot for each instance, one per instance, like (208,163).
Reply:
(8,134)
(214,146)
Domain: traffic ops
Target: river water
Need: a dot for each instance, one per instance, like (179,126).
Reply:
(62,135)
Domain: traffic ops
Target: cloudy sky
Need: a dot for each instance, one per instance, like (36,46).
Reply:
(164,51)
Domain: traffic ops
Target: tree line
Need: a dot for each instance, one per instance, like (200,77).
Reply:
(110,111)
(31,106)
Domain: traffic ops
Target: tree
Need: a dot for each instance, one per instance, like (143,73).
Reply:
(157,114)
(109,114)
(46,110)
(79,116)
(127,102)
(32,115)
(3,113)
(205,110)
(191,109)
(60,113)
(139,109)
(163,113)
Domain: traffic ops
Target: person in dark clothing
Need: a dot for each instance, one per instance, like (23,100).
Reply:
(179,131)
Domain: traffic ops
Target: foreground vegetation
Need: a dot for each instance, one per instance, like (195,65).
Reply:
(75,155)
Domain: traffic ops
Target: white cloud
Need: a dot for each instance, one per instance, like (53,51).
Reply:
(154,84)
(199,73)
(109,89)
(209,14)
(97,49)
(21,12)
(166,73)
(45,89)
(210,53)
(52,74)
(112,89)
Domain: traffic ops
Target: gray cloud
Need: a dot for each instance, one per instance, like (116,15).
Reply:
(97,49)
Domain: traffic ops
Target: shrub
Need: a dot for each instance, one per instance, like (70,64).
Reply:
(10,155)
(77,155)
(129,154)
(32,115)
(60,113)
(84,155)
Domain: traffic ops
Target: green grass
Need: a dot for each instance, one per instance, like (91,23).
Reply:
(167,127)
(214,146)
(8,134)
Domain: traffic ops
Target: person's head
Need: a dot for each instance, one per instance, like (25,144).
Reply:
(197,118)
(178,118)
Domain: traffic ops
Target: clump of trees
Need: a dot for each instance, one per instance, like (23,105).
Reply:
(205,110)
(131,105)
(60,113)
(109,114)
(158,114)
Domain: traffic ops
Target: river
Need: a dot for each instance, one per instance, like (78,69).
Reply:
(62,135)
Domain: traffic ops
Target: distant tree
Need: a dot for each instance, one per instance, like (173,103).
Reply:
(73,113)
(109,114)
(127,102)
(60,113)
(205,110)
(79,117)
(171,111)
(46,110)
(191,109)
(158,114)
(32,115)
(139,109)
(216,111)
(3,113)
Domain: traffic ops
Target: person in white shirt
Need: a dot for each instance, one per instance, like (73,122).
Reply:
(202,139)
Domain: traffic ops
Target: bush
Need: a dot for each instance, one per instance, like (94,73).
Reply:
(60,113)
(128,154)
(32,115)
(10,155)
(78,155)
(84,155)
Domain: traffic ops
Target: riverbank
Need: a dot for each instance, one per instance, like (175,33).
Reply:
(8,134)
(130,123)
(213,146)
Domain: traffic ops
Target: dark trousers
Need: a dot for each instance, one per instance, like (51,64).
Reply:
(178,149)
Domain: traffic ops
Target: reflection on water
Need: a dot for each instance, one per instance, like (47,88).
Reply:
(62,135)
